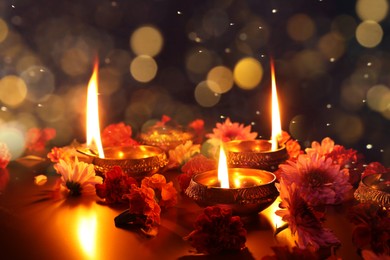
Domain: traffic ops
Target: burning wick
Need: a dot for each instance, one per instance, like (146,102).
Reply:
(93,130)
(276,124)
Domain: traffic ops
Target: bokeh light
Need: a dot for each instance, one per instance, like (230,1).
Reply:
(369,34)
(13,90)
(332,45)
(349,128)
(146,40)
(344,25)
(13,137)
(248,73)
(3,30)
(53,109)
(300,27)
(110,80)
(308,63)
(143,68)
(215,22)
(222,77)
(205,96)
(375,10)
(378,98)
(75,62)
(39,81)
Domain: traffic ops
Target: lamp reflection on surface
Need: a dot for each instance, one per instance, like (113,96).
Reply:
(86,232)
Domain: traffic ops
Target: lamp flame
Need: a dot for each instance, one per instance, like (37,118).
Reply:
(276,124)
(93,130)
(223,175)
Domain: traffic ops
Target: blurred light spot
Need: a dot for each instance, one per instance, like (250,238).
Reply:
(110,81)
(332,46)
(344,25)
(369,146)
(375,10)
(65,130)
(231,24)
(332,59)
(3,30)
(248,73)
(227,50)
(26,120)
(143,68)
(75,62)
(13,90)
(198,64)
(249,39)
(349,128)
(369,34)
(205,96)
(328,124)
(14,139)
(39,81)
(146,40)
(299,127)
(118,60)
(351,96)
(369,64)
(215,22)
(26,62)
(3,108)
(328,106)
(179,12)
(274,11)
(222,77)
(308,63)
(53,109)
(243,36)
(378,98)
(300,27)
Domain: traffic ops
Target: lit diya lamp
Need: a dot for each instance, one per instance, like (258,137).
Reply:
(260,153)
(245,191)
(166,137)
(137,161)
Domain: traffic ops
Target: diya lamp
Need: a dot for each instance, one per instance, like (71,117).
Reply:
(245,191)
(260,153)
(375,188)
(166,137)
(136,161)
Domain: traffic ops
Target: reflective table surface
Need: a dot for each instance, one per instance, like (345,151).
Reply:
(35,226)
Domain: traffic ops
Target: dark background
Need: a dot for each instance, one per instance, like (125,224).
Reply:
(312,100)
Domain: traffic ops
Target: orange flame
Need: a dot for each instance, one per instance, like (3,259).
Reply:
(276,124)
(223,175)
(93,129)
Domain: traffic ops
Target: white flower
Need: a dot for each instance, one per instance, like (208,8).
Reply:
(77,177)
(182,153)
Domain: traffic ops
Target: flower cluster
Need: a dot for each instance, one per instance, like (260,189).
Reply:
(117,135)
(76,177)
(228,131)
(216,230)
(339,155)
(303,221)
(197,164)
(144,209)
(66,153)
(181,154)
(37,139)
(292,146)
(165,193)
(372,228)
(116,184)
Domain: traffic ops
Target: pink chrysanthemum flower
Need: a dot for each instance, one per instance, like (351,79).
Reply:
(5,155)
(302,220)
(228,131)
(319,180)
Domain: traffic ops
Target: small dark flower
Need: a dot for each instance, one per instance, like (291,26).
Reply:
(115,185)
(216,230)
(372,227)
